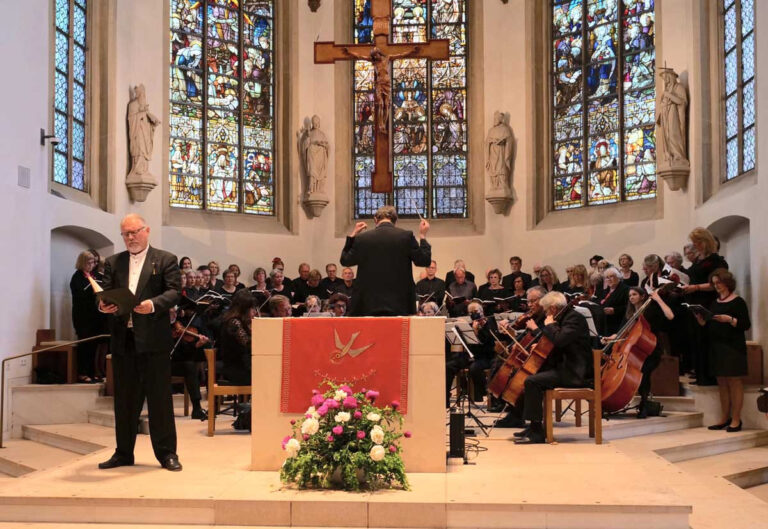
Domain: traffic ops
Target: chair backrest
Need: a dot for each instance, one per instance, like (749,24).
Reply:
(44,335)
(210,358)
(597,357)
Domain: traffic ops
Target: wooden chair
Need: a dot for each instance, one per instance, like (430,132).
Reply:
(592,395)
(216,390)
(178,379)
(62,360)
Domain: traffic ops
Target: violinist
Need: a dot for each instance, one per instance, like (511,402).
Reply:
(659,315)
(188,354)
(483,353)
(569,365)
(514,416)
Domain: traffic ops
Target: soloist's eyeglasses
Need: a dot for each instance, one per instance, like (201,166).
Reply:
(132,233)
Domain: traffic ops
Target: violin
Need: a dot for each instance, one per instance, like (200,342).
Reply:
(191,334)
(522,321)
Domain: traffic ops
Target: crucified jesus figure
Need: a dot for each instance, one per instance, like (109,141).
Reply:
(382,80)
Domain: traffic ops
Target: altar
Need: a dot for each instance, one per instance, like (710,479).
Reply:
(423,380)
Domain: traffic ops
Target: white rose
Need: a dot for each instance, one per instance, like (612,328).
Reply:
(378,452)
(340,395)
(377,435)
(310,426)
(373,417)
(292,447)
(342,416)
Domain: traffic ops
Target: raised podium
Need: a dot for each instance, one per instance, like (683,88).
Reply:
(423,382)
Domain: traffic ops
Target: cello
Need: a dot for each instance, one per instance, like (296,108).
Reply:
(621,373)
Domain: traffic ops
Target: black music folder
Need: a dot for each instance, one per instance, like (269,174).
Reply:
(122,297)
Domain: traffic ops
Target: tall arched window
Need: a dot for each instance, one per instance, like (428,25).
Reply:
(429,113)
(222,106)
(69,99)
(739,71)
(603,68)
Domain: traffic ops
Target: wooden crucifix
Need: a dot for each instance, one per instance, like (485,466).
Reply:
(381,54)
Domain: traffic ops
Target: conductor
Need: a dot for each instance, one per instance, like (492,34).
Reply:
(384,285)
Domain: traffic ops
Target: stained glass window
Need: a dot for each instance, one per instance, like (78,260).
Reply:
(429,113)
(69,92)
(603,69)
(222,106)
(739,73)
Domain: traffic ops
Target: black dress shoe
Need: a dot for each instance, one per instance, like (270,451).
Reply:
(642,412)
(720,426)
(734,428)
(531,439)
(114,462)
(522,433)
(199,414)
(172,463)
(510,421)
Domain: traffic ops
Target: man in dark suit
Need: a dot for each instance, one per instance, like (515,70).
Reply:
(516,264)
(141,344)
(384,285)
(568,365)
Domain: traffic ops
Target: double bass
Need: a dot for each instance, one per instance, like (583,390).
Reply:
(621,372)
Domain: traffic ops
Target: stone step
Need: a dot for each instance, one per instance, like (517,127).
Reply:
(760,491)
(703,443)
(682,403)
(79,438)
(744,468)
(107,403)
(21,456)
(621,427)
(107,418)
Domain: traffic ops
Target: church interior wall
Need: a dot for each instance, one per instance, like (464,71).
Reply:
(141,57)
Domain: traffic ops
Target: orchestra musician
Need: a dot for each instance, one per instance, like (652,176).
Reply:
(658,314)
(570,361)
(514,416)
(188,354)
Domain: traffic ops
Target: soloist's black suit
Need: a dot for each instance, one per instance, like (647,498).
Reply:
(384,284)
(141,355)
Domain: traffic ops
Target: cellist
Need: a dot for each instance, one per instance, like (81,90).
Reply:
(569,365)
(658,314)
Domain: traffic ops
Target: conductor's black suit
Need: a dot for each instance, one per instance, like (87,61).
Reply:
(384,284)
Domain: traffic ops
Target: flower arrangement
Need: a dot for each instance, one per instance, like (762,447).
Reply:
(343,433)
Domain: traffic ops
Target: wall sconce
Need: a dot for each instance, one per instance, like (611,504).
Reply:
(55,140)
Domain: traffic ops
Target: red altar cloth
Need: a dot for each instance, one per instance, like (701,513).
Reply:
(367,353)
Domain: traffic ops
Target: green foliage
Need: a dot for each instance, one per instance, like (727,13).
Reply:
(324,459)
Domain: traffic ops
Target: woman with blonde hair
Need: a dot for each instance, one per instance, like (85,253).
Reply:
(579,280)
(86,318)
(628,276)
(701,292)
(548,278)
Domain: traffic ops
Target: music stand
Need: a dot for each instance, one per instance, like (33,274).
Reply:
(459,332)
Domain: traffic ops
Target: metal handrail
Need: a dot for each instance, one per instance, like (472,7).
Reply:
(31,353)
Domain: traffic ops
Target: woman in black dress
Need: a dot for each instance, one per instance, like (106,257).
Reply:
(628,276)
(494,289)
(86,318)
(235,343)
(700,292)
(727,347)
(614,300)
(658,314)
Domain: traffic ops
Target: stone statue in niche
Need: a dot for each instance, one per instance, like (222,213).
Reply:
(141,130)
(671,131)
(499,150)
(314,151)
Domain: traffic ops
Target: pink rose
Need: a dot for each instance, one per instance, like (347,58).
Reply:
(331,404)
(330,439)
(346,389)
(322,411)
(392,448)
(350,402)
(395,404)
(285,440)
(357,414)
(306,437)
(317,400)
(307,416)
(407,434)
(371,395)
(338,430)
(360,434)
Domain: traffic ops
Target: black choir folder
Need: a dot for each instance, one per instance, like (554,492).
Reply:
(122,297)
(705,313)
